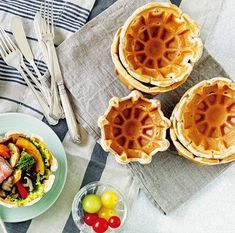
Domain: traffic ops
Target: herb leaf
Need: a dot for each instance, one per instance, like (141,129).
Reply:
(26,162)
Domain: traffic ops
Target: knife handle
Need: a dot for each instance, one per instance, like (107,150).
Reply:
(56,110)
(69,115)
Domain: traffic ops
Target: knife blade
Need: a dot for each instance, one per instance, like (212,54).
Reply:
(22,42)
(20,37)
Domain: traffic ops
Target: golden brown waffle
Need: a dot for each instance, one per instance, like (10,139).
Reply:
(129,81)
(134,128)
(206,118)
(206,145)
(159,44)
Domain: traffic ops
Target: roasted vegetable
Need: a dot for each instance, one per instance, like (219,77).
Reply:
(28,184)
(17,175)
(46,154)
(4,151)
(22,190)
(29,147)
(15,154)
(14,137)
(26,162)
(2,193)
(8,184)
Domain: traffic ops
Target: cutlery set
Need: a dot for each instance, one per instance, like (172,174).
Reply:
(52,98)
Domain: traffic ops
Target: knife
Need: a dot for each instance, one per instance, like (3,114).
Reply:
(21,40)
(72,123)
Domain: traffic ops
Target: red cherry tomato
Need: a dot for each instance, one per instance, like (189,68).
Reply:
(114,222)
(100,225)
(89,219)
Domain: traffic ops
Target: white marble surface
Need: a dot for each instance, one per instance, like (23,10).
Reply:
(221,43)
(212,210)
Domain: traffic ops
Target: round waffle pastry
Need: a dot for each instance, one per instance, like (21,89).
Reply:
(203,122)
(159,44)
(183,151)
(134,128)
(129,81)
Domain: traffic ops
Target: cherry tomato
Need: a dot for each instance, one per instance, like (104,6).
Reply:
(100,225)
(91,203)
(107,213)
(109,199)
(89,219)
(114,222)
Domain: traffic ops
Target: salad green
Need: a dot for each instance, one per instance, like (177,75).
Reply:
(26,162)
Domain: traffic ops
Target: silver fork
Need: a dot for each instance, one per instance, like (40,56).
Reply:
(3,227)
(13,57)
(46,11)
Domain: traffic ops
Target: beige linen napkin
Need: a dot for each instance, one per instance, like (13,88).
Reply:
(89,75)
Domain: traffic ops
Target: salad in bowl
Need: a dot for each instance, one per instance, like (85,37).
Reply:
(26,169)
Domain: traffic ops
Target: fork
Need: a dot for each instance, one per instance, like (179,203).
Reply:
(13,57)
(3,227)
(46,12)
(71,120)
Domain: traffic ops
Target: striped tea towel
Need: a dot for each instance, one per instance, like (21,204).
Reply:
(69,16)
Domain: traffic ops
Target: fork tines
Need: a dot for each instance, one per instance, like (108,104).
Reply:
(6,44)
(46,11)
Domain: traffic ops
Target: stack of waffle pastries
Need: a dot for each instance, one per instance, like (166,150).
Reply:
(203,122)
(155,50)
(134,128)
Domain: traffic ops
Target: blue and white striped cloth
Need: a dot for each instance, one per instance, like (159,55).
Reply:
(69,16)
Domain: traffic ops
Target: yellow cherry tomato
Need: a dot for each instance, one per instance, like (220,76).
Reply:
(109,199)
(107,213)
(91,203)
